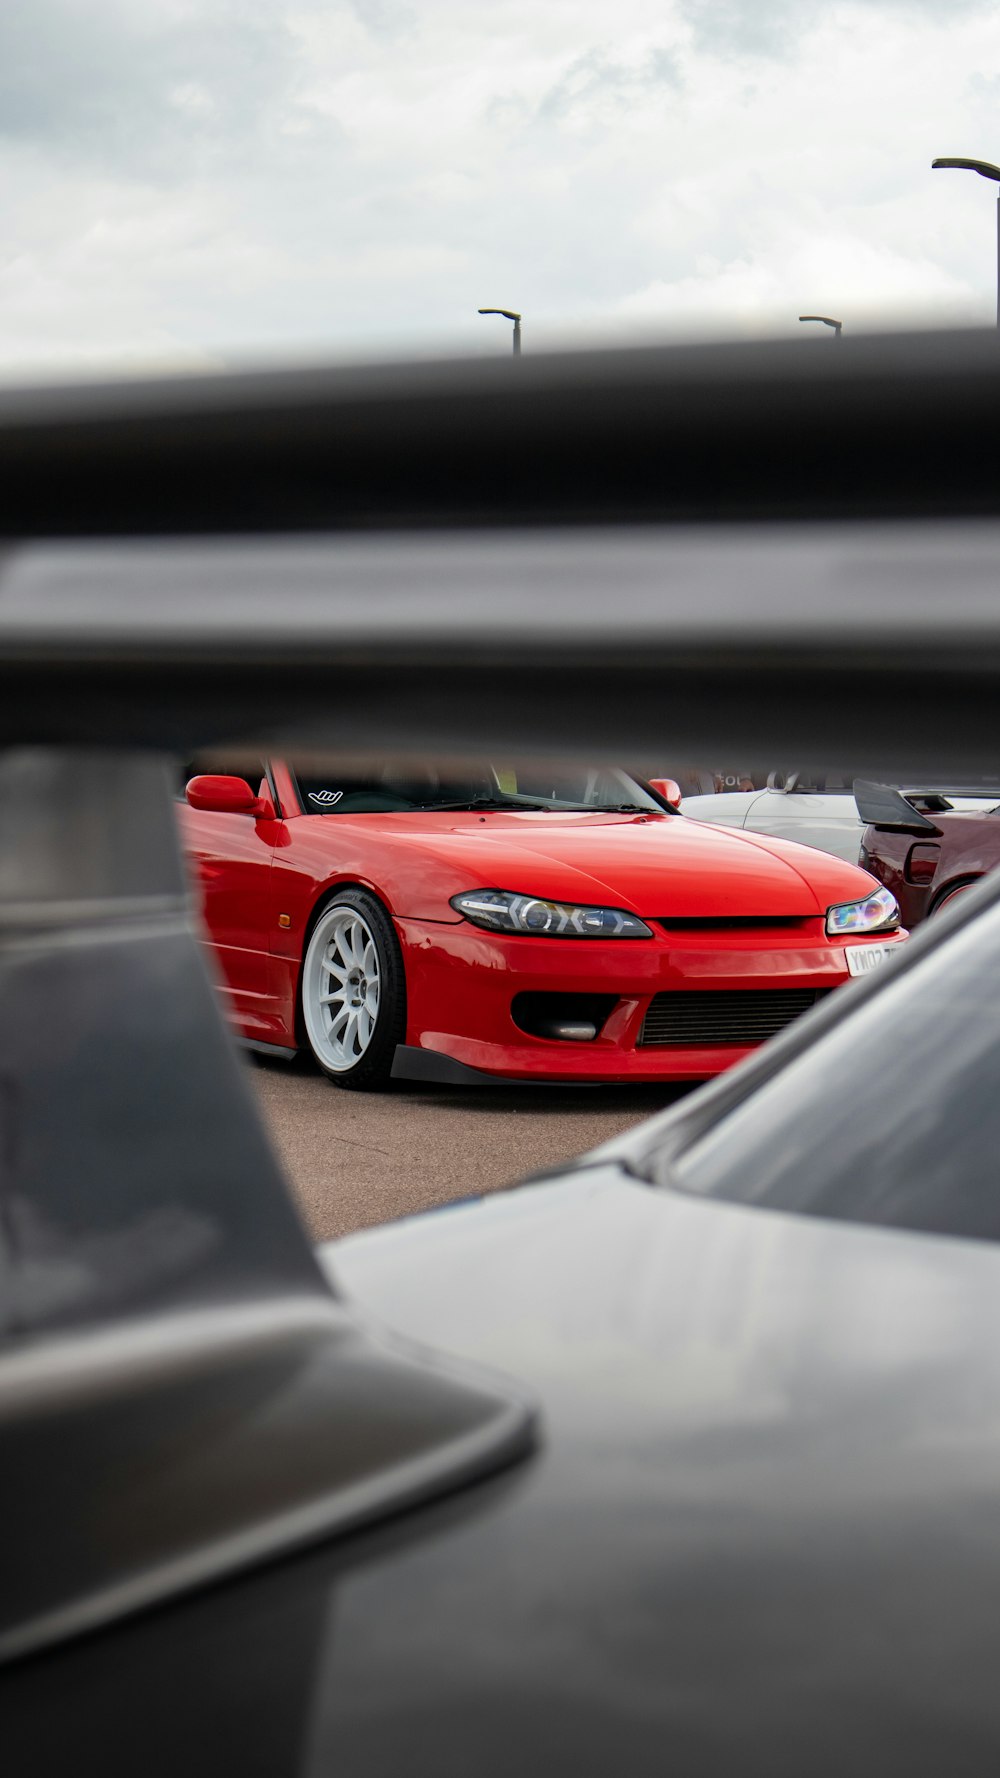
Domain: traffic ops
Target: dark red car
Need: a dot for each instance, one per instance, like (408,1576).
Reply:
(922,849)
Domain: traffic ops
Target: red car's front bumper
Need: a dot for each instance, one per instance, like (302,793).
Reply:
(461,983)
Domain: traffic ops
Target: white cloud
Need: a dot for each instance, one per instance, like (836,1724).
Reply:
(196,181)
(867,282)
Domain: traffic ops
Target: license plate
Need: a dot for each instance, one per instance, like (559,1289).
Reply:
(862,959)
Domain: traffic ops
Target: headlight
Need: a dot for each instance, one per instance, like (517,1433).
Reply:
(501,911)
(877,913)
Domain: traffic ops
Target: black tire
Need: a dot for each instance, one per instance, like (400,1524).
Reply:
(353,1014)
(952,894)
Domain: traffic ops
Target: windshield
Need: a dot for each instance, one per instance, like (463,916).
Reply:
(910,1138)
(384,785)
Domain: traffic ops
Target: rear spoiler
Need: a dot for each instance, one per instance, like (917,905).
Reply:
(181,1391)
(907,810)
(882,806)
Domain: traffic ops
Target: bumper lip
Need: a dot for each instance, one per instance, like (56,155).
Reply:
(562,1065)
(412,1063)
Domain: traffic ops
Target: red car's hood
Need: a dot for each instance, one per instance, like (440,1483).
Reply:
(666,865)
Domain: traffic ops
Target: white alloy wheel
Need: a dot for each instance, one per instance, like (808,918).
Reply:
(341,988)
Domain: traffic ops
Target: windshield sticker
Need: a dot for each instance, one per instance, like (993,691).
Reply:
(325,799)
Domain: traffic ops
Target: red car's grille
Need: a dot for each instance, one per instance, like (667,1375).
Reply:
(732,922)
(696,1017)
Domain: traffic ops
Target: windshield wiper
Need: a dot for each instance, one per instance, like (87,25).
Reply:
(484,802)
(551,808)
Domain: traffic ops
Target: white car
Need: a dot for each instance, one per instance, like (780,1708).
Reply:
(814,808)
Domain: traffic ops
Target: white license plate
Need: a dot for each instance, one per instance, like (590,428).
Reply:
(862,959)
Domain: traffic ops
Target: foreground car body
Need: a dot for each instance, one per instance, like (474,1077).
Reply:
(767,1458)
(341,925)
(761,1536)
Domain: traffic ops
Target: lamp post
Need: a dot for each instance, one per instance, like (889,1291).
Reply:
(986,170)
(828,321)
(512,315)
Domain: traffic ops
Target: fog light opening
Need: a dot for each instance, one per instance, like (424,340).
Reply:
(569,1030)
(562,1018)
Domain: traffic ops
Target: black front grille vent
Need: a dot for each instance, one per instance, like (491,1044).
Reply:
(700,1018)
(733,922)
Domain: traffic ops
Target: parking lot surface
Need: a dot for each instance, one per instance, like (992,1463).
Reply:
(354,1159)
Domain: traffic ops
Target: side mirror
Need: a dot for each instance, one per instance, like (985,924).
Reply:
(224,796)
(668,788)
(881,805)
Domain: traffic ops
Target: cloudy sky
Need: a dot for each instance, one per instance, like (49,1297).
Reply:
(200,183)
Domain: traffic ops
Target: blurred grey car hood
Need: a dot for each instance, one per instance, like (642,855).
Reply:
(770,1450)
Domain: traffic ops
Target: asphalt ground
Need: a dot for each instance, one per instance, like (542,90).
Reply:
(354,1159)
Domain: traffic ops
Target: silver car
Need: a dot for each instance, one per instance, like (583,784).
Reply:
(817,809)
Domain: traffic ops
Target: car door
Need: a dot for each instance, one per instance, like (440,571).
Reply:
(230,859)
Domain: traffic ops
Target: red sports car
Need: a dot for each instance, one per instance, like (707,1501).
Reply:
(496,923)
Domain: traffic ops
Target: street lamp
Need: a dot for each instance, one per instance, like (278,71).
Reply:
(512,315)
(986,170)
(827,320)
